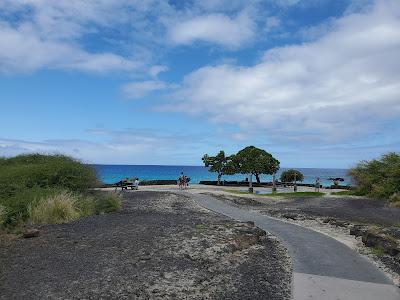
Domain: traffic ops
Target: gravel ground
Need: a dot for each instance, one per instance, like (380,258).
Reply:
(159,246)
(358,210)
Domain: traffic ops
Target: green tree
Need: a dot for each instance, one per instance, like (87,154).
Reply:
(292,175)
(254,161)
(219,164)
(378,178)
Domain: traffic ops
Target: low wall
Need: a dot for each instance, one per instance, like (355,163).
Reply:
(145,182)
(269,184)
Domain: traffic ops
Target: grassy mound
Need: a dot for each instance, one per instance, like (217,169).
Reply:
(48,189)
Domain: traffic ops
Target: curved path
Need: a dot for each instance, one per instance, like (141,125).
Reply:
(323,267)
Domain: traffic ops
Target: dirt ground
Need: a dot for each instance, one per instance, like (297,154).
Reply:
(351,209)
(159,246)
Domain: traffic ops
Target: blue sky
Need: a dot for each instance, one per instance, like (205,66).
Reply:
(314,82)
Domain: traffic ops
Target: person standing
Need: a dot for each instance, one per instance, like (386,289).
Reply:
(317,184)
(182,180)
(136,183)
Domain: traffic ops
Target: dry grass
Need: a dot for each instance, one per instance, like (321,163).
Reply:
(60,208)
(395,200)
(2,215)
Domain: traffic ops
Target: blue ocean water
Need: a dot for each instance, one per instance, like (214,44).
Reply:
(114,173)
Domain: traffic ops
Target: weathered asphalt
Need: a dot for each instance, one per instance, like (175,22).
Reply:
(318,260)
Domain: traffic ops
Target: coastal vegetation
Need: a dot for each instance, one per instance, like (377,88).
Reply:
(220,164)
(249,161)
(38,188)
(254,161)
(379,178)
(292,176)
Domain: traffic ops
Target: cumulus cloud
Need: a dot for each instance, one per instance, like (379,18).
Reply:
(344,84)
(215,28)
(45,34)
(39,34)
(21,50)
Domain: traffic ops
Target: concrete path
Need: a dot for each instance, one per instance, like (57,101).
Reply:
(323,267)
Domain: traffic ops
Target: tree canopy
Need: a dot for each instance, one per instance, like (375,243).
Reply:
(291,175)
(219,164)
(252,160)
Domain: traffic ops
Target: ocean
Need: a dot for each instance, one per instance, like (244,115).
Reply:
(114,173)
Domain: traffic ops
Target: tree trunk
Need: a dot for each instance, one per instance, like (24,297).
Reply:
(273,183)
(258,178)
(219,179)
(251,184)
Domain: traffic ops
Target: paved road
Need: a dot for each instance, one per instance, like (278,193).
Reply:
(323,267)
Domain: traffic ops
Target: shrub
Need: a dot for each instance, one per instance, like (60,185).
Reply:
(107,203)
(378,178)
(49,189)
(291,175)
(86,204)
(60,208)
(26,179)
(18,204)
(44,171)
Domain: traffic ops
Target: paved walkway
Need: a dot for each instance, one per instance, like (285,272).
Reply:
(323,267)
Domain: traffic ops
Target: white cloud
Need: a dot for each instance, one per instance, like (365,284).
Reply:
(140,89)
(215,28)
(37,34)
(21,50)
(157,69)
(339,87)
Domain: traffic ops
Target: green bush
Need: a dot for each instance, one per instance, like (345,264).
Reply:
(44,171)
(107,203)
(28,181)
(378,178)
(291,175)
(18,204)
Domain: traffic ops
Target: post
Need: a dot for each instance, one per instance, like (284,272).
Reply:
(251,184)
(273,183)
(295,184)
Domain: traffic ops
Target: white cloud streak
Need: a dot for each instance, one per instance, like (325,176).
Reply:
(139,89)
(214,28)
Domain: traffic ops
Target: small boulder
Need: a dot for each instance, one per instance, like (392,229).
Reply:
(291,216)
(389,245)
(357,230)
(30,233)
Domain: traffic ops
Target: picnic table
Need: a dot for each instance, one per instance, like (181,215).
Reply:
(124,185)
